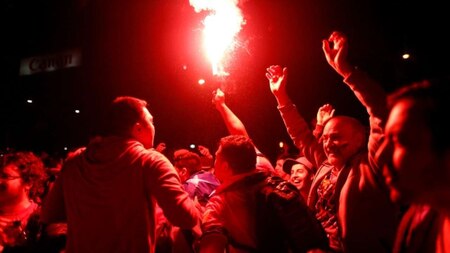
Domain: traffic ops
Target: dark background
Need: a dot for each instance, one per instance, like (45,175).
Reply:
(139,48)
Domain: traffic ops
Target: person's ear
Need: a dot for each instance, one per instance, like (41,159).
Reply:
(183,172)
(136,129)
(138,126)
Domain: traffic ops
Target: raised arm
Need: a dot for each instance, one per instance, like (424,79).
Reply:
(277,77)
(235,126)
(369,93)
(324,113)
(232,122)
(296,125)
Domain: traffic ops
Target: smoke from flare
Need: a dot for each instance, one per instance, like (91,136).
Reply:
(220,29)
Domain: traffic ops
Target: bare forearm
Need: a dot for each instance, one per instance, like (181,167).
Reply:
(232,122)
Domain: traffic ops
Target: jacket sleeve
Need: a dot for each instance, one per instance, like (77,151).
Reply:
(214,235)
(373,98)
(163,183)
(301,135)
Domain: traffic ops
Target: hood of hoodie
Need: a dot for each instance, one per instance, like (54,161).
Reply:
(107,157)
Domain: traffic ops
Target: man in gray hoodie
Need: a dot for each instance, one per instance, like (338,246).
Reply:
(107,191)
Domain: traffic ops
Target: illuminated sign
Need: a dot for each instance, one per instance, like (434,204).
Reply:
(50,62)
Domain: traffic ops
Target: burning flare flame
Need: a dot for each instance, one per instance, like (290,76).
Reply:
(220,29)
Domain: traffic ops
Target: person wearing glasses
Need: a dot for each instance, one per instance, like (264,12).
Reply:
(22,177)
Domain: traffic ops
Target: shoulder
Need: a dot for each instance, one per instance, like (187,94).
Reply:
(213,209)
(263,163)
(153,158)
(325,164)
(278,188)
(73,155)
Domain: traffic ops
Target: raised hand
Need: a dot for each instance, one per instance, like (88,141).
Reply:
(204,151)
(336,50)
(161,147)
(218,97)
(277,77)
(324,113)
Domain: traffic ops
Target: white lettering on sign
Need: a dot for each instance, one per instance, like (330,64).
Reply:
(48,63)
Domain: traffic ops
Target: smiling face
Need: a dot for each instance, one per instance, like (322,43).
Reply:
(342,138)
(410,162)
(301,177)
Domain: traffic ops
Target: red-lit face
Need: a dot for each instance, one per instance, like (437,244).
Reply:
(410,163)
(12,188)
(340,141)
(300,177)
(221,168)
(144,131)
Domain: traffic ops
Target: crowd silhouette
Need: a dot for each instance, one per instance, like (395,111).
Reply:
(348,187)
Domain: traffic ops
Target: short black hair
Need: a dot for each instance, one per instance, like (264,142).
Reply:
(121,115)
(184,158)
(239,152)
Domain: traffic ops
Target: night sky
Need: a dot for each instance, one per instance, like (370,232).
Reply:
(139,48)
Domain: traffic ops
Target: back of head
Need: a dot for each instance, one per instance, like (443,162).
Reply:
(121,115)
(184,158)
(431,98)
(31,170)
(239,152)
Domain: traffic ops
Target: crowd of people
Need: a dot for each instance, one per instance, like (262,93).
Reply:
(350,188)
